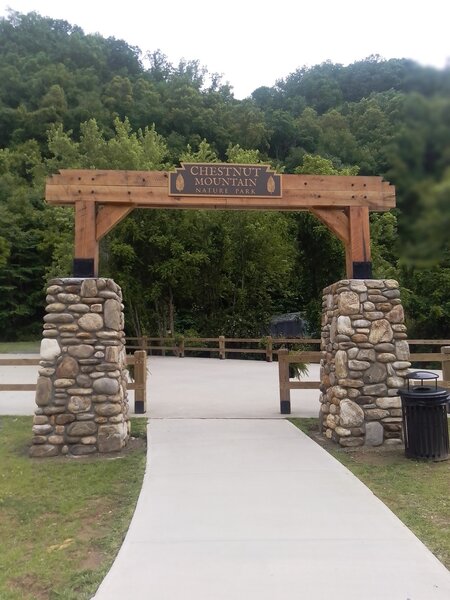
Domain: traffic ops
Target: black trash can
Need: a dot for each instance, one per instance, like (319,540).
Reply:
(424,407)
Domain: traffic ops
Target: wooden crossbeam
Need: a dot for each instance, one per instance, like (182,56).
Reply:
(157,197)
(87,177)
(102,198)
(150,189)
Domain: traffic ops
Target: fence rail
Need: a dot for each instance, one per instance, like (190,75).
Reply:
(179,346)
(268,346)
(285,358)
(138,360)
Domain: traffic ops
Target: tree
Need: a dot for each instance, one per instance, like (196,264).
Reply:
(21,233)
(336,139)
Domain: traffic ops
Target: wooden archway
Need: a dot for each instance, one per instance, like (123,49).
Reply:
(103,198)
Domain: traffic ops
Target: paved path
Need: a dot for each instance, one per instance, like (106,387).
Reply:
(191,387)
(254,510)
(212,388)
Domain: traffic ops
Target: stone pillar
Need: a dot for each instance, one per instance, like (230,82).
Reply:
(81,393)
(366,356)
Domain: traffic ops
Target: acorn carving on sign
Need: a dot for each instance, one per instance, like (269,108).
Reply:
(180,183)
(217,179)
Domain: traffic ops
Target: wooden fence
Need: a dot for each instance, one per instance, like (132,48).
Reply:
(180,346)
(138,361)
(221,345)
(285,358)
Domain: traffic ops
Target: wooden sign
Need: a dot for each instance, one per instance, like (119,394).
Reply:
(217,179)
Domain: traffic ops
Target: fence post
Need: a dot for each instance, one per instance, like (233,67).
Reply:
(269,349)
(140,378)
(144,343)
(445,350)
(222,346)
(283,378)
(181,347)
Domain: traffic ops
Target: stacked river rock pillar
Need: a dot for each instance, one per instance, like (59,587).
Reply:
(366,356)
(81,390)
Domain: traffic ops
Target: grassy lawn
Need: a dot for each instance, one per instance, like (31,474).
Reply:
(16,347)
(416,491)
(62,520)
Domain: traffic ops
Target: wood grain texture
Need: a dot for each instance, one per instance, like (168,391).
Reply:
(17,387)
(150,188)
(359,233)
(157,197)
(336,220)
(304,385)
(85,239)
(108,216)
(426,357)
(87,177)
(19,362)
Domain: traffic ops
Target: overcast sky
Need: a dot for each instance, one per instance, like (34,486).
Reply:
(255,42)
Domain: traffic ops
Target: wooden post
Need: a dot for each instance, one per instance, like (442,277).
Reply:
(269,349)
(445,350)
(140,378)
(358,249)
(222,347)
(86,245)
(181,347)
(283,378)
(144,343)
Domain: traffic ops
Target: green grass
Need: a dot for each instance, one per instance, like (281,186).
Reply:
(16,347)
(416,491)
(62,520)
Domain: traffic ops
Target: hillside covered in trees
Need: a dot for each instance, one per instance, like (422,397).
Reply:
(70,100)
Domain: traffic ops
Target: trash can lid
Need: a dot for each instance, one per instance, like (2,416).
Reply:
(422,375)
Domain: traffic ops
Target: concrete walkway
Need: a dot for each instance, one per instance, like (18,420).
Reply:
(191,388)
(254,510)
(216,389)
(238,504)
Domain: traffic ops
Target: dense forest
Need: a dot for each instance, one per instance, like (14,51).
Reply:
(70,100)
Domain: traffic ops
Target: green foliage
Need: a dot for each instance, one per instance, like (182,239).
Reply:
(236,154)
(144,150)
(5,252)
(318,165)
(71,100)
(298,369)
(383,234)
(204,154)
(21,233)
(211,271)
